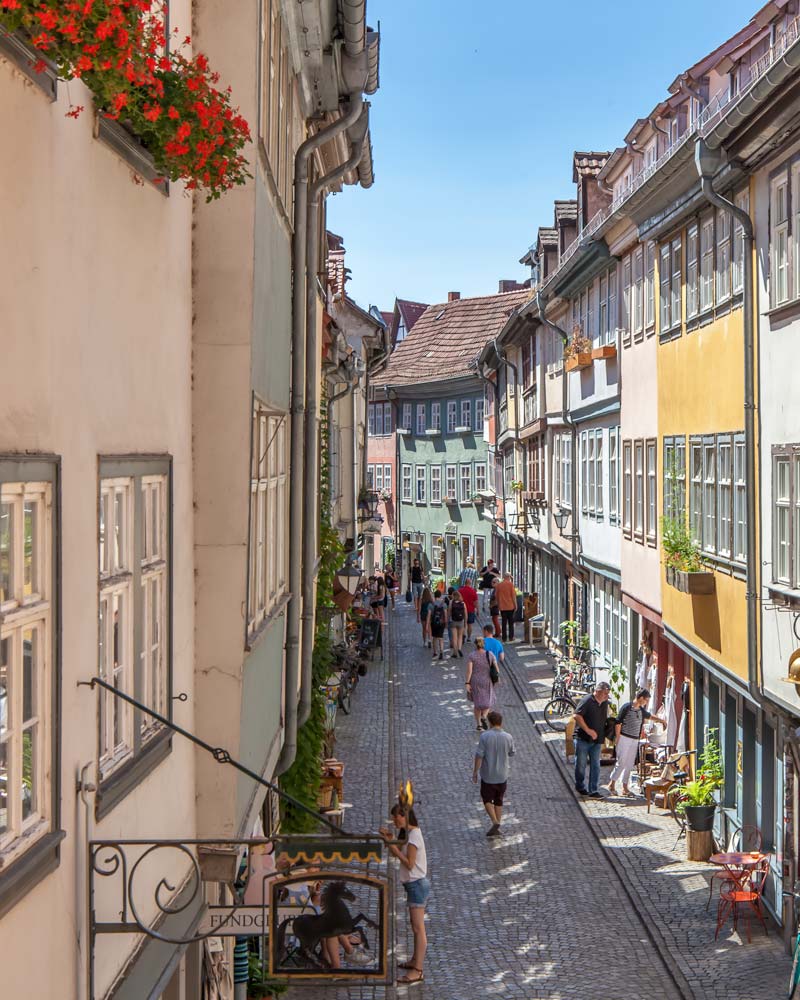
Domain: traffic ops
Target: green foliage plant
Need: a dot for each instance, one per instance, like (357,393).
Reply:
(701,790)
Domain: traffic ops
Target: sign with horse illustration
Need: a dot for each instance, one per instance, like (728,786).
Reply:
(329,923)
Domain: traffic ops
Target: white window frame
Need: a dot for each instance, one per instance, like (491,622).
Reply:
(692,271)
(27,610)
(649,288)
(480,415)
(613,475)
(639,488)
(436,416)
(407,416)
(407,493)
(436,484)
(724,519)
(742,201)
(466,413)
(627,486)
(480,477)
(451,482)
(637,292)
(465,482)
(722,280)
(420,484)
(779,252)
(651,472)
(421,418)
(387,478)
(598,476)
(452,416)
(740,500)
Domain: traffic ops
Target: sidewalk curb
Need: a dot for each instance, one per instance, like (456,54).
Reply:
(658,941)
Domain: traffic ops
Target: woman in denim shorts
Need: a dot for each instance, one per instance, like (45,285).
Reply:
(414,879)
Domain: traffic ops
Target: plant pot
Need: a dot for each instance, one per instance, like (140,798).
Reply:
(700,819)
(694,583)
(578,361)
(604,353)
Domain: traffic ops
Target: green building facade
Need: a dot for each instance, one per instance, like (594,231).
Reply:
(443,467)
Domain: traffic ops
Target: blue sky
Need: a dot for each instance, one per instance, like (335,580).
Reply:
(480,109)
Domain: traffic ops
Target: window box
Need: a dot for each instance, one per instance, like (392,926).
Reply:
(433,432)
(403,430)
(126,145)
(578,362)
(691,583)
(17,49)
(533,496)
(605,352)
(463,429)
(451,501)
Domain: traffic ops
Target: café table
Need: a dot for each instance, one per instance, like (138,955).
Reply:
(737,866)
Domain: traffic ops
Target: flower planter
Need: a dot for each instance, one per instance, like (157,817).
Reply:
(578,362)
(604,353)
(700,819)
(691,583)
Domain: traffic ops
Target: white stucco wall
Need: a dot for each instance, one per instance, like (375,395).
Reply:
(95,280)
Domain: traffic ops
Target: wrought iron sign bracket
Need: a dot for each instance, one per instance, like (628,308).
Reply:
(220,755)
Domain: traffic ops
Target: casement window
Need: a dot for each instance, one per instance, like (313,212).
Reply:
(379,419)
(739,500)
(466,413)
(723,262)
(465,481)
(652,492)
(796,229)
(638,294)
(556,473)
(371,420)
(625,318)
(407,416)
(584,472)
(742,200)
(452,416)
(692,272)
(598,477)
(480,552)
(638,472)
(480,477)
(649,288)
(480,409)
(588,317)
(590,440)
(779,241)
(602,309)
(674,477)
(436,484)
(387,478)
(566,471)
(421,418)
(509,473)
(717,501)
(709,494)
(724,497)
(450,482)
(611,331)
(371,477)
(267,544)
(627,487)
(377,478)
(28,711)
(387,418)
(527,350)
(613,475)
(406,481)
(784,533)
(436,416)
(421,481)
(696,490)
(670,285)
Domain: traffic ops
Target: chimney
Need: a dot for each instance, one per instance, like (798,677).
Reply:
(453,296)
(506,285)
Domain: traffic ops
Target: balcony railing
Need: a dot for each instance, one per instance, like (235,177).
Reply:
(709,117)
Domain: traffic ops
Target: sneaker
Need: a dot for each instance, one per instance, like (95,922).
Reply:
(493,831)
(484,724)
(582,791)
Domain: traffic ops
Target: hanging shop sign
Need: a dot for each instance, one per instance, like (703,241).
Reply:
(234,921)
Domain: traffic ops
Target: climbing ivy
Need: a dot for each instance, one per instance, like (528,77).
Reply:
(302,780)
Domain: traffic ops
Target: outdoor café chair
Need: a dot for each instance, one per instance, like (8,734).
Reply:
(747,838)
(734,895)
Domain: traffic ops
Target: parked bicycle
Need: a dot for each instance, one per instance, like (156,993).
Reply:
(794,976)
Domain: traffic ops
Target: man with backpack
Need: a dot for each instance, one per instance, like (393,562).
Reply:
(458,618)
(632,716)
(438,623)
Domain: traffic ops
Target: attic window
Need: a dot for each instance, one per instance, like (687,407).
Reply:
(439,315)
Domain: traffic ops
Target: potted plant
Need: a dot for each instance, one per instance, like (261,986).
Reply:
(517,485)
(683,560)
(569,632)
(696,800)
(578,352)
(260,985)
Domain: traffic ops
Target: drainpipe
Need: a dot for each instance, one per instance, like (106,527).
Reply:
(566,416)
(299,248)
(707,162)
(357,134)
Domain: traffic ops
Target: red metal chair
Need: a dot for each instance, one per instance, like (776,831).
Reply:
(733,895)
(746,839)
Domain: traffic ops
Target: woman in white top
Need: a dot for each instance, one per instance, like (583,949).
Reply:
(413,860)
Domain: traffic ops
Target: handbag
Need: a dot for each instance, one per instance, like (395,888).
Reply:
(408,596)
(494,673)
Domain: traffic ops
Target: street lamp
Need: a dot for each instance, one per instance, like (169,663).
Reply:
(561,519)
(368,502)
(349,576)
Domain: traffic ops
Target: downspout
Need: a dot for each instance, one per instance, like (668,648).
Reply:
(566,416)
(503,359)
(312,387)
(299,249)
(707,161)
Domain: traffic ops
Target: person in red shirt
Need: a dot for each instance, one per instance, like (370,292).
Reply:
(470,597)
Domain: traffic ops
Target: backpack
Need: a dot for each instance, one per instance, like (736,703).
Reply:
(457,610)
(437,617)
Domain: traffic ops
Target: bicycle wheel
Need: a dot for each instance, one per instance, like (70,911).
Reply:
(794,977)
(558,712)
(344,697)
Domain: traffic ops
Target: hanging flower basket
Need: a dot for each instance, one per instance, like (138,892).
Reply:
(166,98)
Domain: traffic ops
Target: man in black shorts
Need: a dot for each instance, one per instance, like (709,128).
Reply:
(492,760)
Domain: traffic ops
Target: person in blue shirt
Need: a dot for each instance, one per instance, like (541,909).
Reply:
(492,645)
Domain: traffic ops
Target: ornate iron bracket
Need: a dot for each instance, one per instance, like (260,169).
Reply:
(220,755)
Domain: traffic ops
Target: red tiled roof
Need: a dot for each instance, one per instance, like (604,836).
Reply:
(448,337)
(411,311)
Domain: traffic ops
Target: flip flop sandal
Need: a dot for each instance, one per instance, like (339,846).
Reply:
(405,981)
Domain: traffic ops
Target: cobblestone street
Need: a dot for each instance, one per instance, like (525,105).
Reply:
(539,913)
